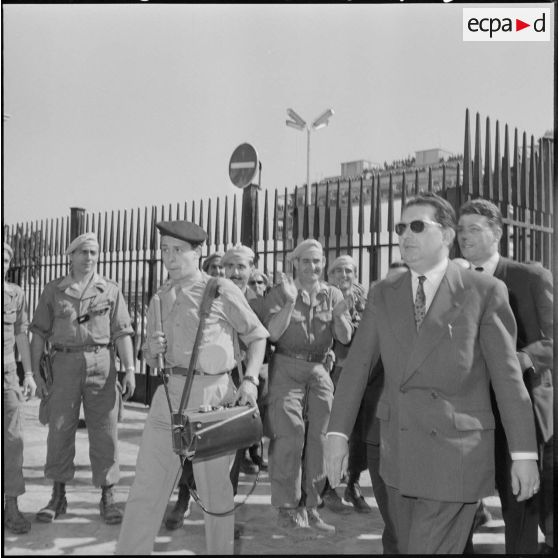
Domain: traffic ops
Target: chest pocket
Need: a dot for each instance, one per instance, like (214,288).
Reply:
(64,309)
(100,309)
(324,315)
(323,309)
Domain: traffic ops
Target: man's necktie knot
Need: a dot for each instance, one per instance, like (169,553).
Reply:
(420,302)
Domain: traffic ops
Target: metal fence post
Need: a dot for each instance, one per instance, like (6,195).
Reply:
(248,233)
(77,222)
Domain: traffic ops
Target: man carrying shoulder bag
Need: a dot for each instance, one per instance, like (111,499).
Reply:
(172,324)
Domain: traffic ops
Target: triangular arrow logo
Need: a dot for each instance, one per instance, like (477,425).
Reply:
(519,25)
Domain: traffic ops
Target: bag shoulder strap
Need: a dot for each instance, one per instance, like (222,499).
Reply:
(210,293)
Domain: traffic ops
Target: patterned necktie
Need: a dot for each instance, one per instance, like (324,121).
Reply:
(480,268)
(420,302)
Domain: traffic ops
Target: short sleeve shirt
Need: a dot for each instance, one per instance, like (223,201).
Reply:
(311,326)
(66,317)
(15,319)
(179,314)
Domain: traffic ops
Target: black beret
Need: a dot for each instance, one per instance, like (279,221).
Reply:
(183,230)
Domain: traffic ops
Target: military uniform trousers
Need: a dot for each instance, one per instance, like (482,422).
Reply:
(89,377)
(14,484)
(297,388)
(158,468)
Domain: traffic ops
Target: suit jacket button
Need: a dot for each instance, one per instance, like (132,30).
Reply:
(434,395)
(403,390)
(433,433)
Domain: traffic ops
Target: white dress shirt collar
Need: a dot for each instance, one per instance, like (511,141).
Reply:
(434,277)
(489,266)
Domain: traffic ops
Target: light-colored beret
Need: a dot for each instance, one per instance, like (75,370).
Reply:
(238,251)
(207,262)
(342,261)
(82,239)
(304,246)
(9,249)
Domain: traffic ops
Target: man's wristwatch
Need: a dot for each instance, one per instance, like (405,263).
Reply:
(252,380)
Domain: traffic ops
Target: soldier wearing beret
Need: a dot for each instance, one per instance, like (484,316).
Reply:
(82,316)
(14,333)
(304,317)
(237,264)
(172,335)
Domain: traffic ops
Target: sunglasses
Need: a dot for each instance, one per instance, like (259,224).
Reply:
(256,282)
(416,226)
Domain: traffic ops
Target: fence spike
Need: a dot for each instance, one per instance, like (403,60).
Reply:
(234,236)
(467,154)
(487,177)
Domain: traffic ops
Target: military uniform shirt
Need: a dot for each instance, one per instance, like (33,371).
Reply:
(66,317)
(311,326)
(179,311)
(16,321)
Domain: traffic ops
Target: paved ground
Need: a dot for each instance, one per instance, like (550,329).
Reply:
(81,532)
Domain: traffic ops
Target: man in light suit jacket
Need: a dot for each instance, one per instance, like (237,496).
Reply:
(443,334)
(530,292)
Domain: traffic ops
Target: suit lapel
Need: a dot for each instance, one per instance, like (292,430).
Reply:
(501,270)
(399,300)
(446,306)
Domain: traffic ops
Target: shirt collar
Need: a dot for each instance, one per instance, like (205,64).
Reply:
(96,280)
(187,283)
(311,298)
(433,275)
(489,266)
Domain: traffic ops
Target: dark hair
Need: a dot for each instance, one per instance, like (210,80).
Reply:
(445,214)
(485,208)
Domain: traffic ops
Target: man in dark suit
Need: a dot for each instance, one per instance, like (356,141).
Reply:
(530,293)
(443,334)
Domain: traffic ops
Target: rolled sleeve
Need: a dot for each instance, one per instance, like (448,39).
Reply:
(240,315)
(43,317)
(120,321)
(22,318)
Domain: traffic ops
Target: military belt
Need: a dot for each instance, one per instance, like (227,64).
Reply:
(179,370)
(80,348)
(302,355)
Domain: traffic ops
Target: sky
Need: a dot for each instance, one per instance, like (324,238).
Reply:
(116,106)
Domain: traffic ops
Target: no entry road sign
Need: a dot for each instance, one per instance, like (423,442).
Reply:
(243,165)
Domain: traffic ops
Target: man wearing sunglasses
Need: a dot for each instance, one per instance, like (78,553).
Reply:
(444,333)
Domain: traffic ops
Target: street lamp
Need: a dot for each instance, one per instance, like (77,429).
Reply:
(300,124)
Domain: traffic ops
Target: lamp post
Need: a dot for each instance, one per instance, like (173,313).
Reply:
(300,124)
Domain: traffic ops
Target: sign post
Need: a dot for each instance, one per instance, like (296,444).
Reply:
(243,166)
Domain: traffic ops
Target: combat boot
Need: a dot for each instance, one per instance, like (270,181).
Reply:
(315,521)
(355,497)
(56,506)
(13,518)
(175,519)
(109,511)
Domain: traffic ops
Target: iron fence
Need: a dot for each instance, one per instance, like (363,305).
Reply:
(353,216)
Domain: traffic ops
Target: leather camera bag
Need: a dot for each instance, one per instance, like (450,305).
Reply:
(220,431)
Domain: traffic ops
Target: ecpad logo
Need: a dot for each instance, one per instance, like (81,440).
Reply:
(506,24)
